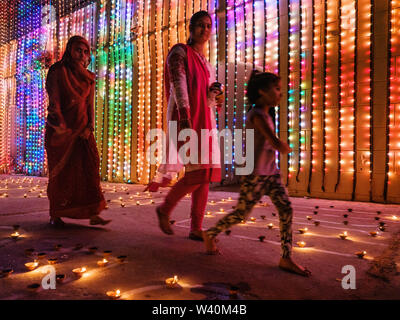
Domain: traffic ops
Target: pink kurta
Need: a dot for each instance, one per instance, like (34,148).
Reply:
(188,76)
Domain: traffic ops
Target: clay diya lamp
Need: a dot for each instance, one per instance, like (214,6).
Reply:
(331,206)
(228,232)
(301,244)
(309,218)
(102,263)
(315,212)
(270,226)
(263,217)
(343,235)
(79,271)
(302,230)
(31,265)
(121,259)
(60,278)
(138,203)
(345,215)
(382,228)
(92,249)
(378,212)
(253,219)
(221,210)
(52,261)
(171,222)
(114,294)
(15,235)
(316,223)
(377,218)
(107,253)
(172,282)
(345,222)
(382,223)
(41,255)
(33,287)
(373,233)
(350,210)
(261,238)
(361,254)
(316,207)
(273,214)
(6,272)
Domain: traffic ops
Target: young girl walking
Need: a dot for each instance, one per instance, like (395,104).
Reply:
(264,92)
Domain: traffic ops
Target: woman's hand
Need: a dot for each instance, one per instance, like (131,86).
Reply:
(85,134)
(283,147)
(153,186)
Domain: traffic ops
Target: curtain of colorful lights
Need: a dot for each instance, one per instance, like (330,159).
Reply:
(338,61)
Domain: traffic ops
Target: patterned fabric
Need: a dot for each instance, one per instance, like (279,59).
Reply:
(253,187)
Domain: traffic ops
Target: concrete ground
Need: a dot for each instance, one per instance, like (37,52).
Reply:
(247,265)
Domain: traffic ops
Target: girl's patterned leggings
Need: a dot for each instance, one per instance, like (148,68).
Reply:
(253,187)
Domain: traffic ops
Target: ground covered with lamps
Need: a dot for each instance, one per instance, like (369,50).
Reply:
(133,256)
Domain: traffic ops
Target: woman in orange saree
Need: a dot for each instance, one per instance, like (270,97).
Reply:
(74,182)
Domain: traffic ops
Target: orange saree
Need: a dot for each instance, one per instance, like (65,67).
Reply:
(74,182)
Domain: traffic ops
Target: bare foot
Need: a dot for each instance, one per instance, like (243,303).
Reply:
(94,220)
(163,222)
(289,265)
(210,243)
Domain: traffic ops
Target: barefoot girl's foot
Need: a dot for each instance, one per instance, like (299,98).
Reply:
(210,243)
(289,265)
(163,222)
(97,220)
(196,235)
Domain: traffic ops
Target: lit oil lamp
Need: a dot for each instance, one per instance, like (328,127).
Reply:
(15,235)
(208,213)
(31,265)
(309,218)
(343,235)
(114,294)
(373,233)
(270,226)
(243,222)
(223,200)
(122,205)
(395,218)
(152,201)
(138,203)
(79,271)
(382,228)
(120,199)
(221,210)
(102,263)
(212,202)
(52,261)
(230,198)
(301,244)
(361,254)
(172,282)
(303,230)
(253,219)
(25,195)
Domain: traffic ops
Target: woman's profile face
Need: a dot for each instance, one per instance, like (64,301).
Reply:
(80,54)
(201,30)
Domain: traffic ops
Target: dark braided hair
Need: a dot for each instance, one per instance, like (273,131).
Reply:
(260,80)
(193,20)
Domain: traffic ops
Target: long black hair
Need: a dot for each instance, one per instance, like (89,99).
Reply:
(193,20)
(260,81)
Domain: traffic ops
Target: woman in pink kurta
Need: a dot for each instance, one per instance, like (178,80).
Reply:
(191,97)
